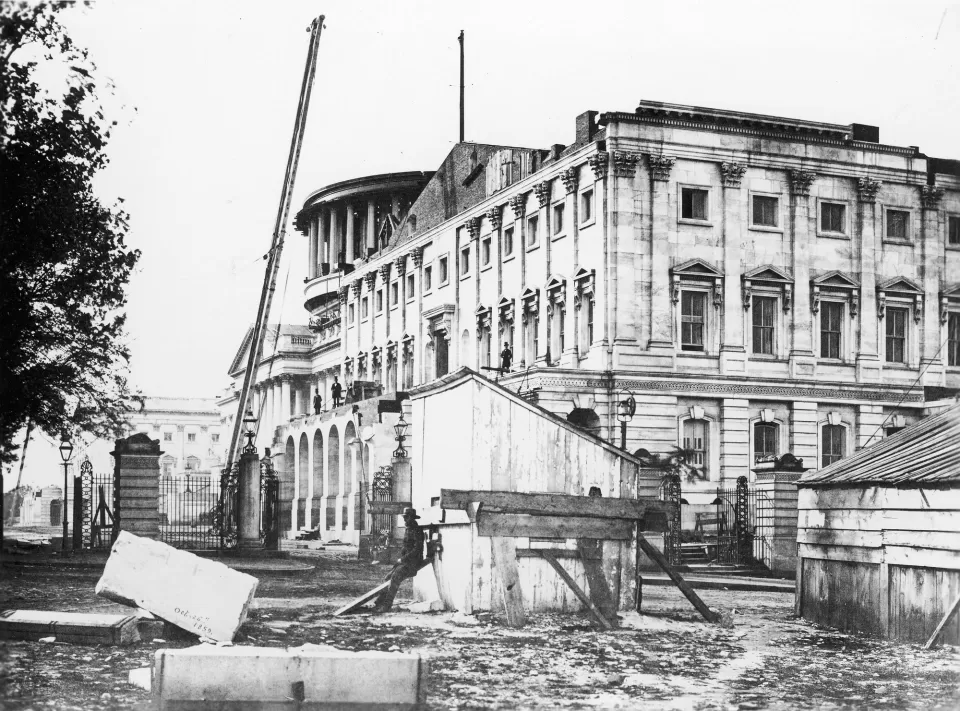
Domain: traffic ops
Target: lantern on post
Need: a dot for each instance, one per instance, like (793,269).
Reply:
(66,451)
(401,429)
(626,409)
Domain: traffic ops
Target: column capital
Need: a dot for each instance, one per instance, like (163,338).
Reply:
(385,272)
(370,278)
(867,189)
(495,215)
(343,293)
(400,265)
(660,165)
(599,163)
(570,178)
(800,181)
(285,378)
(473,227)
(355,288)
(417,254)
(732,173)
(518,204)
(930,196)
(542,191)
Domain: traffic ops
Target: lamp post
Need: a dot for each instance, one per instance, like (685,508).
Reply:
(401,429)
(248,488)
(66,451)
(626,408)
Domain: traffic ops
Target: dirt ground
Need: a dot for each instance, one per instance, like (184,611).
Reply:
(666,658)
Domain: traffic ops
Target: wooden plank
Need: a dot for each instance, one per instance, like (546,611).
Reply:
(684,586)
(836,537)
(943,623)
(813,551)
(368,596)
(881,519)
(875,497)
(522,525)
(843,594)
(552,504)
(442,586)
(938,540)
(565,576)
(591,553)
(922,557)
(558,553)
(505,565)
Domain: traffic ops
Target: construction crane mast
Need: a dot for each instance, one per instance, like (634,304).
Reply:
(276,247)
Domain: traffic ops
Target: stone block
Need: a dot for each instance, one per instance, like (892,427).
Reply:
(72,627)
(268,677)
(201,596)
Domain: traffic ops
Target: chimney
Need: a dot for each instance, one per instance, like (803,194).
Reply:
(863,132)
(586,127)
(556,150)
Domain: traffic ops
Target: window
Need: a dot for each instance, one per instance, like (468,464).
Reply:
(427,278)
(485,252)
(765,436)
(168,436)
(532,225)
(364,307)
(558,218)
(561,330)
(693,204)
(953,339)
(765,211)
(695,433)
(410,285)
(887,431)
(586,206)
(351,314)
(508,242)
(953,230)
(444,272)
(692,317)
(898,225)
(831,323)
(834,444)
(833,217)
(896,335)
(394,293)
(464,261)
(215,438)
(191,436)
(764,324)
(589,322)
(379,300)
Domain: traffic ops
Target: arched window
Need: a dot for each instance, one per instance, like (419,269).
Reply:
(585,419)
(766,437)
(834,444)
(696,440)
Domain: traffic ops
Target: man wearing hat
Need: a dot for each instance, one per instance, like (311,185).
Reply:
(411,556)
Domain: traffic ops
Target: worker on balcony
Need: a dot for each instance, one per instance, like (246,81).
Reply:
(317,402)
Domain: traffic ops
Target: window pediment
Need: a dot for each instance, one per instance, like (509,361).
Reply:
(902,289)
(768,276)
(835,282)
(697,270)
(584,284)
(948,298)
(506,310)
(557,290)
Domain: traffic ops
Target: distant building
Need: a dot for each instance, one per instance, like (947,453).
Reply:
(761,285)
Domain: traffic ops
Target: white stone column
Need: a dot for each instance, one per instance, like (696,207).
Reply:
(733,354)
(248,527)
(308,514)
(734,440)
(571,181)
(312,250)
(323,234)
(868,358)
(284,399)
(662,219)
(348,237)
(932,357)
(333,236)
(370,226)
(801,344)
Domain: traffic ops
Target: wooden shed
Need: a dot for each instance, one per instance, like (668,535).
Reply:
(470,434)
(879,535)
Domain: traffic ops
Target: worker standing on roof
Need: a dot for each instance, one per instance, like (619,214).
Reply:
(411,556)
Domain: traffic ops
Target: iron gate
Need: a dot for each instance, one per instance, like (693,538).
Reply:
(99,525)
(269,505)
(670,491)
(187,507)
(743,517)
(383,519)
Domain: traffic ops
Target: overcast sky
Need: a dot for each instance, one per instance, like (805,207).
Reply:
(206,94)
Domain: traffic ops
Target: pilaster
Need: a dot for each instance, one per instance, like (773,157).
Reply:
(621,286)
(734,439)
(868,359)
(312,250)
(803,432)
(932,250)
(543,192)
(801,344)
(733,355)
(869,421)
(661,225)
(284,417)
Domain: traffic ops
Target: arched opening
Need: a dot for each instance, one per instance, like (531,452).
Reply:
(333,477)
(302,481)
(349,436)
(287,485)
(586,419)
(317,478)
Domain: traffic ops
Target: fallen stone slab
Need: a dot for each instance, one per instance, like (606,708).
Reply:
(199,595)
(70,627)
(268,677)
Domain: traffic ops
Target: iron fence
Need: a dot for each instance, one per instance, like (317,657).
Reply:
(743,519)
(188,507)
(670,491)
(99,524)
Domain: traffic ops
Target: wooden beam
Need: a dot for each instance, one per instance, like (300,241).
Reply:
(555,552)
(526,526)
(505,565)
(943,623)
(368,596)
(684,586)
(388,507)
(547,555)
(552,504)
(591,554)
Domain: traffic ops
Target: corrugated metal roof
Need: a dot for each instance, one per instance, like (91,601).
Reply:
(925,453)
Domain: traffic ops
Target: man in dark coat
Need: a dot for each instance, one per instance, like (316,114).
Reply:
(411,556)
(336,392)
(506,358)
(317,402)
